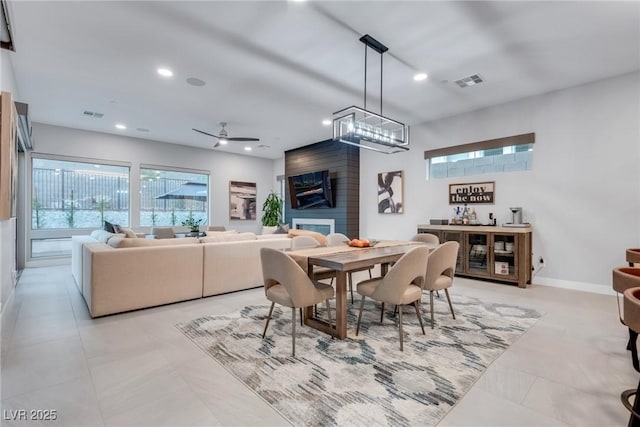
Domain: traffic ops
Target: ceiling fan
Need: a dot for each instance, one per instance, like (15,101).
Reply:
(223,137)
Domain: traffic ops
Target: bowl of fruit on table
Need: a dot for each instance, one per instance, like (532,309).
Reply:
(357,243)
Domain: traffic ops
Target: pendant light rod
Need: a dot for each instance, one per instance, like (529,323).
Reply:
(370,42)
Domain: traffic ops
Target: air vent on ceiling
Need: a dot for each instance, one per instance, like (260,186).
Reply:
(93,114)
(264,146)
(470,81)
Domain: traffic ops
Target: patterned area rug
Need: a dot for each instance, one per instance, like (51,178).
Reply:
(363,380)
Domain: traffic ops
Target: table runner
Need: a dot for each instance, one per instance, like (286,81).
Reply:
(301,256)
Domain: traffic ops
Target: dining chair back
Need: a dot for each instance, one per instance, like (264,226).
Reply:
(426,238)
(440,270)
(303,242)
(401,285)
(337,239)
(286,283)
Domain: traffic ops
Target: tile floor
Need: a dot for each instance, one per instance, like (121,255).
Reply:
(136,369)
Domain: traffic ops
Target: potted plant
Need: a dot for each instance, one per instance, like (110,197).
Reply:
(192,223)
(272,210)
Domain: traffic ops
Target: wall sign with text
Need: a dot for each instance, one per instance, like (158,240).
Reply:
(472,193)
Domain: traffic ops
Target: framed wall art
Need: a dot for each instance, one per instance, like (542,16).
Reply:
(391,192)
(242,200)
(472,193)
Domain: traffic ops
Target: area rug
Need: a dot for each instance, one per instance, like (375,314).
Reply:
(364,380)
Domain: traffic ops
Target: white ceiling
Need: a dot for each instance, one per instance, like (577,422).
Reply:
(274,70)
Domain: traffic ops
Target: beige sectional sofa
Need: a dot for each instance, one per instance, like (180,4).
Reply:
(122,274)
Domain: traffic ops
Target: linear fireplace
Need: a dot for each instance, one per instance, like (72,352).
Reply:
(324,226)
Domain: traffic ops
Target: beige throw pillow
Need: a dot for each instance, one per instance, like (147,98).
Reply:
(320,238)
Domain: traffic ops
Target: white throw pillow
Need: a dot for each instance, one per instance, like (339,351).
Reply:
(269,230)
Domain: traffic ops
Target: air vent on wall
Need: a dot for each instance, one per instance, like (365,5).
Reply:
(93,114)
(470,81)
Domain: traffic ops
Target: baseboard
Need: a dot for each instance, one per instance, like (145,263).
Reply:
(573,285)
(7,303)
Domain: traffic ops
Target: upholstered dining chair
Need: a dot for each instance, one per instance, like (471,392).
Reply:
(286,283)
(440,271)
(308,242)
(162,232)
(632,319)
(339,239)
(426,238)
(402,285)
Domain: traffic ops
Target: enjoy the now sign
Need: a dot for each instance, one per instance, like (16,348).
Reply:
(477,192)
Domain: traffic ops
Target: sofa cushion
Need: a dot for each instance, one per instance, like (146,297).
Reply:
(123,242)
(269,230)
(320,238)
(128,232)
(218,232)
(227,237)
(102,236)
(111,228)
(282,229)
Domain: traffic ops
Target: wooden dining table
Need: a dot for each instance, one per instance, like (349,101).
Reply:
(345,259)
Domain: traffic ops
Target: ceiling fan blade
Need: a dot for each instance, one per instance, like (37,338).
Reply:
(206,133)
(216,144)
(242,139)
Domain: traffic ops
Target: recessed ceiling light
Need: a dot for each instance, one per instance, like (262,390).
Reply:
(420,76)
(326,122)
(247,148)
(165,72)
(120,126)
(223,141)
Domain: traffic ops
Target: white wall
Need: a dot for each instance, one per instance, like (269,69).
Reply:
(223,167)
(582,196)
(7,228)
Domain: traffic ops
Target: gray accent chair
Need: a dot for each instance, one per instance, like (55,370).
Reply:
(286,283)
(402,285)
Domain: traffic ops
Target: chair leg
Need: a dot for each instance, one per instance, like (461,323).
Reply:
(400,327)
(293,332)
(381,312)
(446,291)
(417,306)
(300,316)
(438,294)
(431,301)
(268,318)
(370,276)
(328,311)
(351,286)
(360,315)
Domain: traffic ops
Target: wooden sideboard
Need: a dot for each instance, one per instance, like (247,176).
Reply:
(495,253)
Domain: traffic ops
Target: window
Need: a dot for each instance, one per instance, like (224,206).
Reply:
(70,194)
(497,155)
(170,197)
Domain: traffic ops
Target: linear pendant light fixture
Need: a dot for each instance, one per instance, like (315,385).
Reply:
(366,129)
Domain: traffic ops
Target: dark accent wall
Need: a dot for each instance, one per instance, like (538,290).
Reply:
(343,163)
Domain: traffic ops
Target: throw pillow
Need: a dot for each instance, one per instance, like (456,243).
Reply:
(129,233)
(269,230)
(320,238)
(283,229)
(109,227)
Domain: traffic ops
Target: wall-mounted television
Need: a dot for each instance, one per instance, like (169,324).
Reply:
(311,190)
